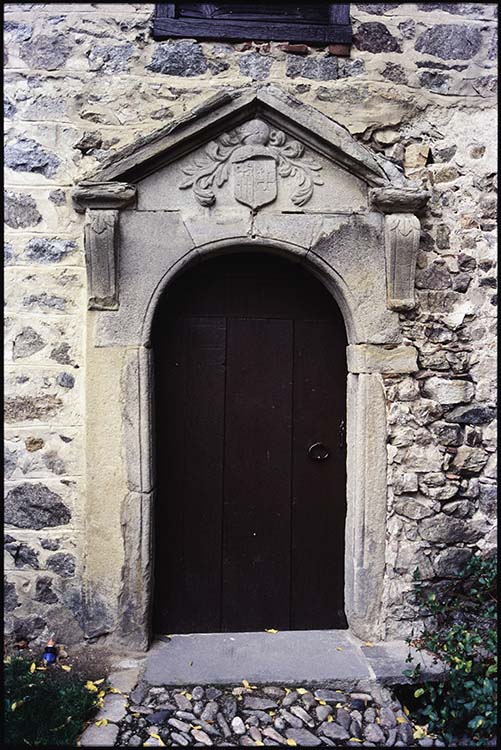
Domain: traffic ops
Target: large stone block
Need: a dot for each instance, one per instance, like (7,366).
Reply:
(390,360)
(449,392)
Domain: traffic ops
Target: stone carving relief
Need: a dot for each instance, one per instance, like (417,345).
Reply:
(257,155)
(100,246)
(401,245)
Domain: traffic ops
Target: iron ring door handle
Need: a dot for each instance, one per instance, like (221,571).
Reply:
(318,452)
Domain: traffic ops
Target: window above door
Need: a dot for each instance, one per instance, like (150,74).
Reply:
(308,22)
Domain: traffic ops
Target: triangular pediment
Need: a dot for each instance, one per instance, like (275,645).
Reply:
(228,110)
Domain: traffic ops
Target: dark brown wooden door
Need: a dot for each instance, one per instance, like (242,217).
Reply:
(250,373)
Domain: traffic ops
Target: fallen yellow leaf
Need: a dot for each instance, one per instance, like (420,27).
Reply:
(195,726)
(291,742)
(7,660)
(339,705)
(287,691)
(136,715)
(189,696)
(258,742)
(14,706)
(101,723)
(42,669)
(369,643)
(354,739)
(401,720)
(98,682)
(301,691)
(115,690)
(338,648)
(90,686)
(419,732)
(101,694)
(245,683)
(66,668)
(330,718)
(322,703)
(33,667)
(270,630)
(406,710)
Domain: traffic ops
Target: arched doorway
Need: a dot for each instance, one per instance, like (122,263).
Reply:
(250,402)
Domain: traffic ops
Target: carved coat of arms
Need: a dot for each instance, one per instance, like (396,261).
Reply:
(255,155)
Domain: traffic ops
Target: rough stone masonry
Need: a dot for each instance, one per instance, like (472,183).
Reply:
(83,80)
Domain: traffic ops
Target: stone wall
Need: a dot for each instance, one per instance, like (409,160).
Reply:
(83,80)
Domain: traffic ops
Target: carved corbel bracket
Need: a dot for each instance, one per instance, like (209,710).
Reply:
(402,231)
(101,202)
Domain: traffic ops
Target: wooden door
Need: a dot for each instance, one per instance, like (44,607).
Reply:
(250,394)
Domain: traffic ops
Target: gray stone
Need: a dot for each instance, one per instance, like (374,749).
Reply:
(407,28)
(412,508)
(447,391)
(261,704)
(34,506)
(237,725)
(58,197)
(210,711)
(182,702)
(61,355)
(290,698)
(355,728)
(111,59)
(375,37)
(322,712)
(451,561)
(374,733)
(472,414)
(180,739)
(26,155)
(62,563)
(201,736)
(45,301)
(65,380)
(158,717)
(229,706)
(102,736)
(330,696)
(303,715)
(437,82)
(316,68)
(198,693)
(44,592)
(303,737)
(212,693)
(181,725)
(51,544)
(26,343)
(333,730)
(292,720)
(22,554)
(274,692)
(8,253)
(377,9)
(394,72)
(447,530)
(9,108)
(469,460)
(178,58)
(255,66)
(10,599)
(20,210)
(450,41)
(45,250)
(274,735)
(343,717)
(28,628)
(46,52)
(20,31)
(435,276)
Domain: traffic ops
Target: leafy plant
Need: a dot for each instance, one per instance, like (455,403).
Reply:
(463,635)
(44,705)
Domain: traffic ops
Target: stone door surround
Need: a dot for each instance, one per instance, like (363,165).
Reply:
(249,170)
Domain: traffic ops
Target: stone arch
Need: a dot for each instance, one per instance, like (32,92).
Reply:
(359,238)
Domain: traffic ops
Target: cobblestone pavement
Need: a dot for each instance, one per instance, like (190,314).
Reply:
(252,716)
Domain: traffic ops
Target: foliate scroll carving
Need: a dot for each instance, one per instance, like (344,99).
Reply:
(401,245)
(255,153)
(101,254)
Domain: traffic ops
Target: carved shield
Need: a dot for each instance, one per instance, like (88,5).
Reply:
(255,179)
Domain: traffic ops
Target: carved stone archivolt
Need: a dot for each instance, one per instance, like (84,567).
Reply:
(256,154)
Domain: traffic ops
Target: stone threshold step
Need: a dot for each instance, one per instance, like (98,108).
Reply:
(334,658)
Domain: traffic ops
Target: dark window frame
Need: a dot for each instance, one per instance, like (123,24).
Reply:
(167,24)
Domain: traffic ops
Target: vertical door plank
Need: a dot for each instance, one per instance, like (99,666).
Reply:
(190,388)
(256,534)
(319,487)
